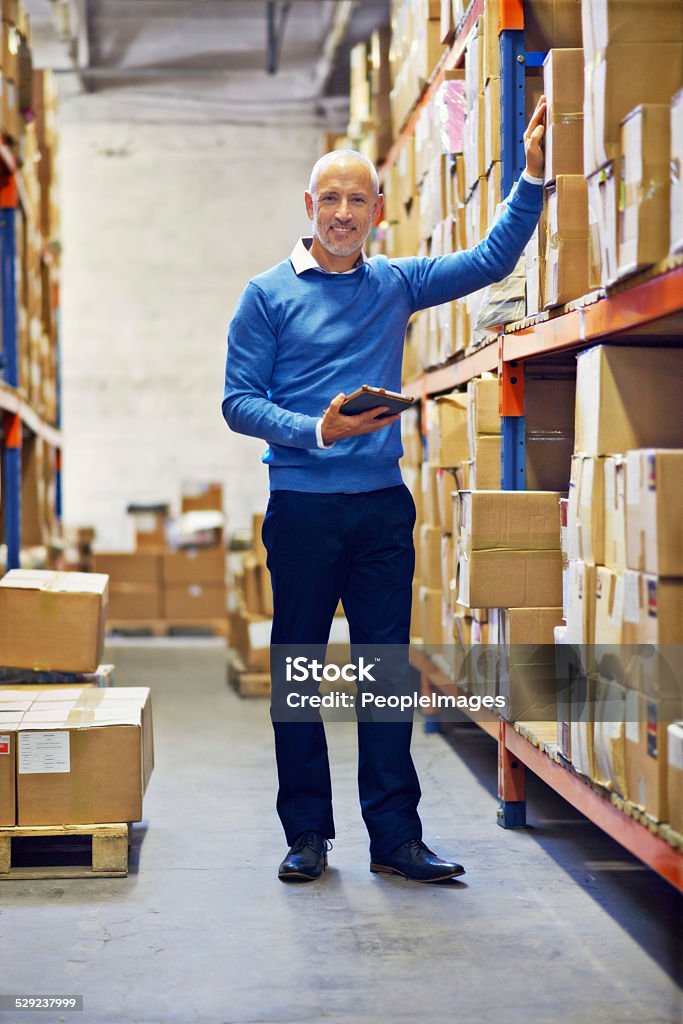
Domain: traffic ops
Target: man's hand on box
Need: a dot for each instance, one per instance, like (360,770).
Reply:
(336,426)
(533,136)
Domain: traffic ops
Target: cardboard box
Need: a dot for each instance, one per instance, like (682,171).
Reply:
(135,601)
(492,127)
(201,497)
(195,601)
(675,775)
(628,21)
(521,627)
(563,86)
(194,565)
(509,520)
(628,398)
(483,416)
(124,567)
(430,560)
(676,173)
(654,511)
(510,579)
(86,759)
(567,245)
(9,722)
(52,620)
(609,744)
(447,487)
(430,494)
(643,233)
(609,607)
(614,553)
(653,609)
(430,615)
(580,604)
(150,523)
(486,471)
(451,414)
(586,510)
(647,754)
(250,636)
(603,216)
(625,75)
(551,23)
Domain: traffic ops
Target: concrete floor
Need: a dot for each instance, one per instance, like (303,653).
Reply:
(554,923)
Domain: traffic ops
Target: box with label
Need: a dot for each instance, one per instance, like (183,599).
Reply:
(653,609)
(517,579)
(84,759)
(615,512)
(654,511)
(522,520)
(567,245)
(676,173)
(52,620)
(675,775)
(628,398)
(9,723)
(648,714)
(483,415)
(585,510)
(609,744)
(195,601)
(609,607)
(603,216)
(563,85)
(201,497)
(643,234)
(150,523)
(194,565)
(125,567)
(624,75)
(580,603)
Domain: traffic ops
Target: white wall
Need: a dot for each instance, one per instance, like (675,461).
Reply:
(163,224)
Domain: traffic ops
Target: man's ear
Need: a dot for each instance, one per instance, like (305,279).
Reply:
(308,199)
(378,211)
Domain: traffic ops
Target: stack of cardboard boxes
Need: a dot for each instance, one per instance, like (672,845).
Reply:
(624,551)
(157,583)
(73,754)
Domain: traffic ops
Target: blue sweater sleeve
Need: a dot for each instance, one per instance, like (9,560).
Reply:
(247,408)
(432,281)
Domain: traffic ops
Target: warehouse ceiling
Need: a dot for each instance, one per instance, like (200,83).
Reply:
(237,60)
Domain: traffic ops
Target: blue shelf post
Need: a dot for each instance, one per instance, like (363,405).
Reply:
(511,774)
(9,200)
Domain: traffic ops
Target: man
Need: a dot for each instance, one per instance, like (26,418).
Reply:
(340,520)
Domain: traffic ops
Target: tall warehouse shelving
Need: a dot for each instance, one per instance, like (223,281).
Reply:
(29,419)
(644,308)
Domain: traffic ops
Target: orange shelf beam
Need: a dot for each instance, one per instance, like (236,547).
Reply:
(634,308)
(635,837)
(445,378)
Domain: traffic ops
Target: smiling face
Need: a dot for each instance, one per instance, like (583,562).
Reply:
(344,207)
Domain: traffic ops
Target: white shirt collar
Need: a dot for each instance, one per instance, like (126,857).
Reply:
(303,259)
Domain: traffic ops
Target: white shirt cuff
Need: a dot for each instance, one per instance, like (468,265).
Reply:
(531,179)
(319,436)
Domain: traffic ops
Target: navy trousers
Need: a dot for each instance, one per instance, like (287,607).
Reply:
(357,548)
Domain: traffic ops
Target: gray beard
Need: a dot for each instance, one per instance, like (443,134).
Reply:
(338,250)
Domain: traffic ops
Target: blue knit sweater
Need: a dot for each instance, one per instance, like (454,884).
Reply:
(297,341)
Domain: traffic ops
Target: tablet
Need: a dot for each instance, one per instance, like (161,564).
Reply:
(367,397)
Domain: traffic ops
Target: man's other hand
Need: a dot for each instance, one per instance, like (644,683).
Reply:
(533,136)
(336,426)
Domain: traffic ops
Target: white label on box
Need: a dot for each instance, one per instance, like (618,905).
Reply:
(44,753)
(674,745)
(4,743)
(195,590)
(259,634)
(631,598)
(632,730)
(633,478)
(145,522)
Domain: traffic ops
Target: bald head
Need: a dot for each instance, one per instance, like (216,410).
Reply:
(343,160)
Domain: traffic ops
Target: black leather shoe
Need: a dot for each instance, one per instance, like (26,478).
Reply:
(306,859)
(417,862)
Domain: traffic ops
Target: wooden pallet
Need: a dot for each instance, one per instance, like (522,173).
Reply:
(168,627)
(247,683)
(109,851)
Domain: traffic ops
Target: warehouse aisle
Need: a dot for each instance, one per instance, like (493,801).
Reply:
(202,931)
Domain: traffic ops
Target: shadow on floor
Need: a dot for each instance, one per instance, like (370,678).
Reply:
(647,907)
